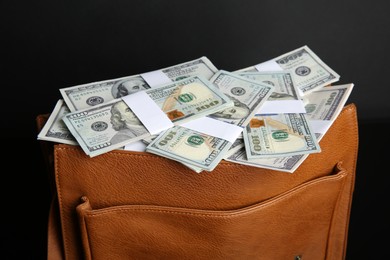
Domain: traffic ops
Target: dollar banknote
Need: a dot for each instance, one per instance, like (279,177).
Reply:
(148,140)
(309,71)
(323,107)
(204,149)
(113,124)
(326,104)
(55,129)
(284,98)
(286,164)
(283,82)
(279,135)
(95,93)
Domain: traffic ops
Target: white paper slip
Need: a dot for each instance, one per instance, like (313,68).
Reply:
(155,78)
(282,106)
(270,65)
(216,128)
(148,112)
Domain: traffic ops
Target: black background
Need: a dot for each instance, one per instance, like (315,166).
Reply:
(48,45)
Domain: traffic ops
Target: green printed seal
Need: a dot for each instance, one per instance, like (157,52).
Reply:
(195,140)
(185,97)
(280,135)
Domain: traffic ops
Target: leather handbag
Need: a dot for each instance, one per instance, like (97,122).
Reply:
(137,205)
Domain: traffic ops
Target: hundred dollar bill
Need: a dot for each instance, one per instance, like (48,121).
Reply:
(113,124)
(146,141)
(54,129)
(95,93)
(285,98)
(281,80)
(237,144)
(323,107)
(284,164)
(202,148)
(279,135)
(309,71)
(284,90)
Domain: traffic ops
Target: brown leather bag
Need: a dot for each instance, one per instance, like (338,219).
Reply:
(136,205)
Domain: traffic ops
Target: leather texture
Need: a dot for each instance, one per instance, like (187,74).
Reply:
(135,205)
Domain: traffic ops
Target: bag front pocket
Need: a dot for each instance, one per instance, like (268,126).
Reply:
(292,225)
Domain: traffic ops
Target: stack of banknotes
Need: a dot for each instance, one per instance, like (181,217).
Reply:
(270,115)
